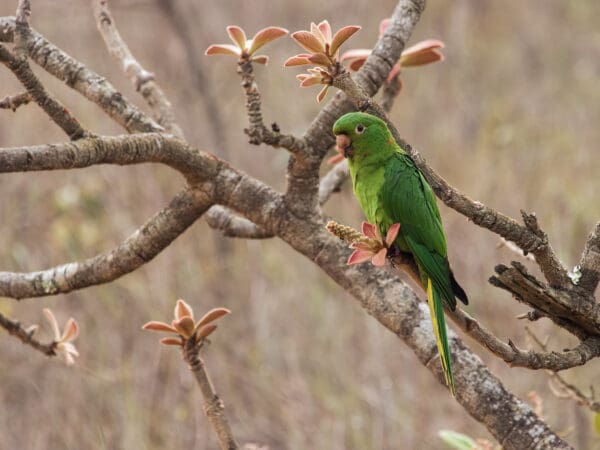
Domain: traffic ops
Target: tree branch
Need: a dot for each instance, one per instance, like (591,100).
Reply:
(302,193)
(14,101)
(213,405)
(571,307)
(123,150)
(395,306)
(232,225)
(568,390)
(23,12)
(383,296)
(88,83)
(554,361)
(25,335)
(529,236)
(55,110)
(590,262)
(257,131)
(139,248)
(142,80)
(333,181)
(391,89)
(551,267)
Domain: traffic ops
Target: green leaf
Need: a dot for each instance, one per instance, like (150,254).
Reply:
(456,440)
(597,423)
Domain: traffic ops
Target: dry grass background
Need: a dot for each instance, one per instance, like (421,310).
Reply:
(511,118)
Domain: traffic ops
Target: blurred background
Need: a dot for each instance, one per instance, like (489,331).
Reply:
(510,118)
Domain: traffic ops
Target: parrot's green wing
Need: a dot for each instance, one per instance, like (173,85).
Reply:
(407,198)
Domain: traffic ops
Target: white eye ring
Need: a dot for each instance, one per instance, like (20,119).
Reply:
(360,128)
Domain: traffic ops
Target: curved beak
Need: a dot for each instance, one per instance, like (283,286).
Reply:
(343,145)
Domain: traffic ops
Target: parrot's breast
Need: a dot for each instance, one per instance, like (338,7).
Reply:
(367,183)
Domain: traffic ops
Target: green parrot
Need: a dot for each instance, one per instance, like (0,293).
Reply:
(391,189)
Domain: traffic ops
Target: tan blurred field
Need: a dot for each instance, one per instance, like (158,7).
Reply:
(511,118)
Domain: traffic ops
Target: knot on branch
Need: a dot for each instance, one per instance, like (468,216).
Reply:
(214,406)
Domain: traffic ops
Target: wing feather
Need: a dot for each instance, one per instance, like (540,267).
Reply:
(408,199)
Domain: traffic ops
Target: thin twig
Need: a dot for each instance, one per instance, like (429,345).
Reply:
(76,75)
(515,357)
(570,391)
(23,12)
(25,335)
(55,110)
(213,405)
(14,101)
(257,131)
(590,261)
(142,80)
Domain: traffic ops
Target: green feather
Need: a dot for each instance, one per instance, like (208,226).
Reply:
(391,189)
(438,320)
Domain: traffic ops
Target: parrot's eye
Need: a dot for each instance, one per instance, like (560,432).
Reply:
(360,128)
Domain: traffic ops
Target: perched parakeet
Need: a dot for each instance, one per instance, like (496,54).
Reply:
(391,189)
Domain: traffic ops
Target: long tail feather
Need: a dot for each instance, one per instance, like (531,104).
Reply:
(438,320)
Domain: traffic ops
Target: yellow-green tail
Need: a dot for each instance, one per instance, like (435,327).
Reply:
(436,310)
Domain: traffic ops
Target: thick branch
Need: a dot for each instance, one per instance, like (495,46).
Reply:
(394,305)
(142,80)
(143,245)
(88,83)
(123,150)
(579,310)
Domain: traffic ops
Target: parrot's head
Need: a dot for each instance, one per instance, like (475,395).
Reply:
(359,135)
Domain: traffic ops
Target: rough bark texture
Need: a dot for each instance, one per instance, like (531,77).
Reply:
(213,405)
(243,206)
